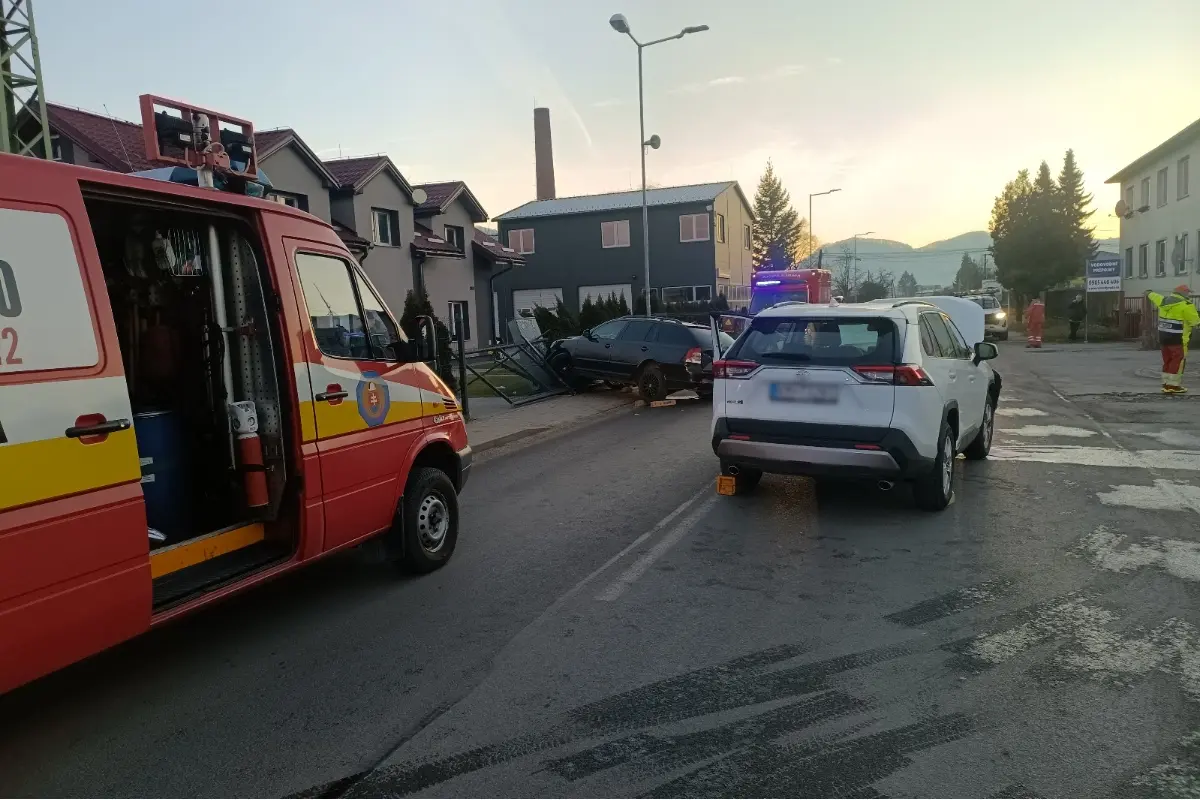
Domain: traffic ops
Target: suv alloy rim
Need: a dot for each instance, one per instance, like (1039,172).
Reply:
(947,465)
(989,422)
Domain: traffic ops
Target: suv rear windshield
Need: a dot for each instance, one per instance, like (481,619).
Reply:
(827,341)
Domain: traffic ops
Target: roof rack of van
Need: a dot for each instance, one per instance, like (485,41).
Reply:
(912,303)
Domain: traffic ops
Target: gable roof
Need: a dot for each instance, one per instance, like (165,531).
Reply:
(620,201)
(489,246)
(268,143)
(1183,137)
(355,173)
(115,143)
(428,243)
(441,195)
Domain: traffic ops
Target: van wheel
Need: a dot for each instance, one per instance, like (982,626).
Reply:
(429,524)
(651,383)
(981,445)
(932,491)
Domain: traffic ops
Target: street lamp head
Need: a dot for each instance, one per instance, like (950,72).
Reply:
(619,23)
(653,142)
(693,29)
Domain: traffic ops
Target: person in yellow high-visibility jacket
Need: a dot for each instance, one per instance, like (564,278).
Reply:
(1176,318)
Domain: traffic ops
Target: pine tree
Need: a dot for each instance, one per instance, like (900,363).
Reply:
(1074,211)
(969,276)
(417,305)
(591,313)
(907,285)
(779,234)
(623,305)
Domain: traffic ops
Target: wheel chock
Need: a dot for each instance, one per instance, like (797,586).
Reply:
(726,485)
(661,403)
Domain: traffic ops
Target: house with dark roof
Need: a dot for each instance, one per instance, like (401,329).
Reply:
(575,247)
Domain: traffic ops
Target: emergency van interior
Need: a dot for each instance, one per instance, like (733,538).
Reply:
(199,348)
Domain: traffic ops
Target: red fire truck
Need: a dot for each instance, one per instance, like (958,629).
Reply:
(800,285)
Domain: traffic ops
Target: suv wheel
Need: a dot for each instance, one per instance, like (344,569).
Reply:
(651,383)
(981,445)
(932,491)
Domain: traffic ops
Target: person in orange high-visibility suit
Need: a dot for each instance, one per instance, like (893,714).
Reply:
(1035,321)
(1176,318)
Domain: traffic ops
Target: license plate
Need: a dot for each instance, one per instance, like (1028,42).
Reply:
(804,393)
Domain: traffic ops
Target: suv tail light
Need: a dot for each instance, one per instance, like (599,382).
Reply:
(733,369)
(693,356)
(897,375)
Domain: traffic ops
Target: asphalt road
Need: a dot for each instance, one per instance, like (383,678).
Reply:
(610,626)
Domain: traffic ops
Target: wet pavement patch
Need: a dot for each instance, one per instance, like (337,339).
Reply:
(1050,430)
(1162,496)
(1103,547)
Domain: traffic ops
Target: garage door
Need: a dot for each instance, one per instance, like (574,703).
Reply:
(525,300)
(603,290)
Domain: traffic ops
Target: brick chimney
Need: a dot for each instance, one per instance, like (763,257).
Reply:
(543,154)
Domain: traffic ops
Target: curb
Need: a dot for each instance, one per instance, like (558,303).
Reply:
(527,433)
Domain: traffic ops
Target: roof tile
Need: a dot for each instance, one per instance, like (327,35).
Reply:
(114,142)
(351,171)
(618,201)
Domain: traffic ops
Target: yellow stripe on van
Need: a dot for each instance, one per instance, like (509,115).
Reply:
(32,472)
(197,551)
(343,418)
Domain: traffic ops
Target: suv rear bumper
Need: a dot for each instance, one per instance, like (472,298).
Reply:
(803,448)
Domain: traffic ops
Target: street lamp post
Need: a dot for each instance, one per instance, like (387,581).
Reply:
(810,225)
(868,233)
(621,25)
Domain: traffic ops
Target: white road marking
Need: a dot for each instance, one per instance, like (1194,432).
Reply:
(1170,436)
(639,567)
(1018,411)
(1103,548)
(1100,457)
(1050,430)
(1164,495)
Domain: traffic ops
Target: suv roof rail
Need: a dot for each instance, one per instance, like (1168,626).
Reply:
(913,303)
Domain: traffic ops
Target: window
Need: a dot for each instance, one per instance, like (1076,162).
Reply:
(1129,198)
(720,227)
(332,306)
(1160,257)
(747,238)
(638,330)
(1145,193)
(835,341)
(693,228)
(385,227)
(1161,187)
(927,342)
(1128,262)
(460,314)
(609,330)
(521,240)
(1143,269)
(290,200)
(454,237)
(674,333)
(381,329)
(686,294)
(1181,177)
(1181,246)
(614,233)
(703,294)
(947,343)
(56,152)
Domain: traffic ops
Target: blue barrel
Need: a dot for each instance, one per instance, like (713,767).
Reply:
(164,473)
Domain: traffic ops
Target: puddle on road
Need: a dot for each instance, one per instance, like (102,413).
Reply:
(1163,495)
(1050,430)
(1003,411)
(1103,548)
(1100,456)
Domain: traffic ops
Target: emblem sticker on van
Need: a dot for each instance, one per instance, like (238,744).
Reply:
(374,400)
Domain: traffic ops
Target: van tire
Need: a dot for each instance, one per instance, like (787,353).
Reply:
(428,521)
(651,383)
(932,492)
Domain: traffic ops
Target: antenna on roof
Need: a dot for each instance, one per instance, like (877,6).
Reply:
(117,136)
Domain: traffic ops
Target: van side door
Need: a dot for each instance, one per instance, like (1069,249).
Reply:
(364,407)
(74,548)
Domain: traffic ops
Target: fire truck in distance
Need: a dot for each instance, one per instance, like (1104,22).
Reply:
(796,285)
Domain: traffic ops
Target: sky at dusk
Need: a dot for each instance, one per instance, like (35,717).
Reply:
(919,111)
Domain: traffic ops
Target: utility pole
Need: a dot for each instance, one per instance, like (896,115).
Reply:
(23,96)
(984,267)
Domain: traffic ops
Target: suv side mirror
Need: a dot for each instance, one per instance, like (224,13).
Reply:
(985,351)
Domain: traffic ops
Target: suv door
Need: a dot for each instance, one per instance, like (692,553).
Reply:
(633,346)
(593,353)
(974,389)
(951,372)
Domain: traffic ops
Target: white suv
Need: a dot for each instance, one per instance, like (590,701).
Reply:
(888,390)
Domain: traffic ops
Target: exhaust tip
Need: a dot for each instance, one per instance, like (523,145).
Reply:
(886,486)
(732,470)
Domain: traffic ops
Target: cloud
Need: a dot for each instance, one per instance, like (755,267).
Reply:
(696,88)
(834,61)
(785,71)
(609,103)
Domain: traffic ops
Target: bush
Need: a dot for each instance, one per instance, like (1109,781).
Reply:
(419,306)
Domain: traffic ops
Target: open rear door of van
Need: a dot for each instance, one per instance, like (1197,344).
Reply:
(74,548)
